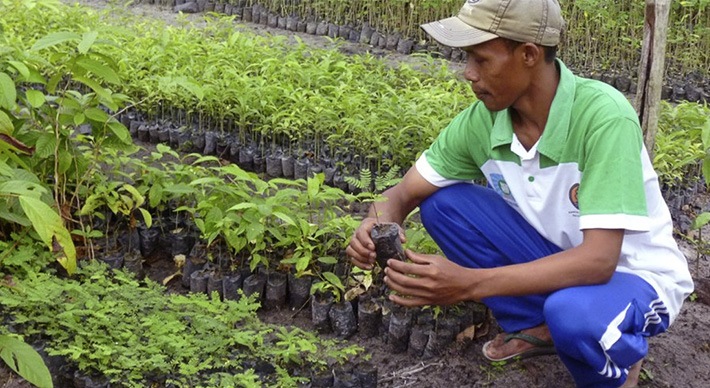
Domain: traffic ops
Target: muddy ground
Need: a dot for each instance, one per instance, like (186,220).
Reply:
(678,358)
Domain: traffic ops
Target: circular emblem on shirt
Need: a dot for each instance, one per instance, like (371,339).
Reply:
(574,195)
(472,2)
(503,187)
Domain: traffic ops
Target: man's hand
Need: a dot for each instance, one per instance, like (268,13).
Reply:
(427,280)
(361,250)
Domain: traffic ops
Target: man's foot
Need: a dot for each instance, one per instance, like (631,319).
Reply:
(535,341)
(632,380)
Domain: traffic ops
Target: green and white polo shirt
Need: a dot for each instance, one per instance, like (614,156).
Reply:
(588,170)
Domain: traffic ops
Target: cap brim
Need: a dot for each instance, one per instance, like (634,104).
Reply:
(453,32)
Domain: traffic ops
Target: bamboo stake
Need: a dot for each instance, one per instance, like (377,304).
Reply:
(650,76)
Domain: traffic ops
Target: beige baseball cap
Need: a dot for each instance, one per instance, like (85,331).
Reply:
(478,21)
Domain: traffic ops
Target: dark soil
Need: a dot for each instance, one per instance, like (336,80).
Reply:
(678,358)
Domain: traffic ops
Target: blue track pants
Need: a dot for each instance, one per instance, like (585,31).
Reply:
(599,331)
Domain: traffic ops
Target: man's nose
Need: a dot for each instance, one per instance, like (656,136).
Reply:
(471,74)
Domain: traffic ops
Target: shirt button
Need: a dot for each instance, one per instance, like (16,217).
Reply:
(531,178)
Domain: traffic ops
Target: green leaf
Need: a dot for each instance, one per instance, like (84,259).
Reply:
(137,197)
(95,86)
(328,260)
(45,145)
(243,205)
(96,114)
(155,195)
(8,92)
(147,217)
(87,41)
(120,131)
(21,68)
(54,39)
(51,230)
(99,69)
(6,126)
(180,188)
(191,87)
(25,361)
(314,185)
(65,161)
(79,119)
(701,220)
(285,218)
(35,98)
(334,280)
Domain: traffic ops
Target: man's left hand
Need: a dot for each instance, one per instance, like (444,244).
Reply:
(427,280)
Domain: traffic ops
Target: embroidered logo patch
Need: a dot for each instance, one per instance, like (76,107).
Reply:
(500,186)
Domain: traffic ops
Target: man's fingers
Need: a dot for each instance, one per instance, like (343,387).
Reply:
(418,258)
(409,301)
(361,261)
(359,249)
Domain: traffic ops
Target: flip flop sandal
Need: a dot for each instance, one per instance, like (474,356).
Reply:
(541,347)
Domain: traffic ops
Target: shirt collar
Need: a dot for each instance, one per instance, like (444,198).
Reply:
(553,137)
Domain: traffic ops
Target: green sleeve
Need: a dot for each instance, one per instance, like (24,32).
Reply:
(612,172)
(460,149)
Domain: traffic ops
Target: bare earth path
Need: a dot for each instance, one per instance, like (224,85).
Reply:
(678,358)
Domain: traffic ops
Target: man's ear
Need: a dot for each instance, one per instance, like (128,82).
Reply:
(532,54)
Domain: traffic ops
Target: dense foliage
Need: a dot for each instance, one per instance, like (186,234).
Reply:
(600,34)
(70,177)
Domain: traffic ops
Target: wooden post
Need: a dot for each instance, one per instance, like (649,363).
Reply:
(650,75)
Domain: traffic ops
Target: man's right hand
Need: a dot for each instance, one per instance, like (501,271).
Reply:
(401,200)
(361,249)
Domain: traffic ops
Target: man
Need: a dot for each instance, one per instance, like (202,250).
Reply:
(571,245)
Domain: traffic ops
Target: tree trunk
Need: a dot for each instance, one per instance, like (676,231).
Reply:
(650,76)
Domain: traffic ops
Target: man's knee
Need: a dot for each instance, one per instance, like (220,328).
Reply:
(568,318)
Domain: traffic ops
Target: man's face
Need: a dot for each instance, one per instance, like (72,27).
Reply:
(495,71)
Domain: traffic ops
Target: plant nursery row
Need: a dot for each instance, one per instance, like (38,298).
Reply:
(257,160)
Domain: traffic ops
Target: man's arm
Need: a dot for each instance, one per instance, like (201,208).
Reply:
(401,200)
(431,279)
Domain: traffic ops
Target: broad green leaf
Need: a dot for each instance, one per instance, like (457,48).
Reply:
(179,188)
(285,218)
(14,218)
(6,126)
(25,361)
(35,98)
(96,114)
(54,39)
(87,41)
(701,220)
(8,93)
(95,86)
(303,263)
(243,205)
(191,87)
(51,230)
(214,215)
(137,197)
(328,260)
(120,131)
(99,69)
(79,119)
(65,161)
(334,280)
(19,187)
(21,68)
(206,180)
(45,145)
(155,195)
(314,185)
(147,217)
